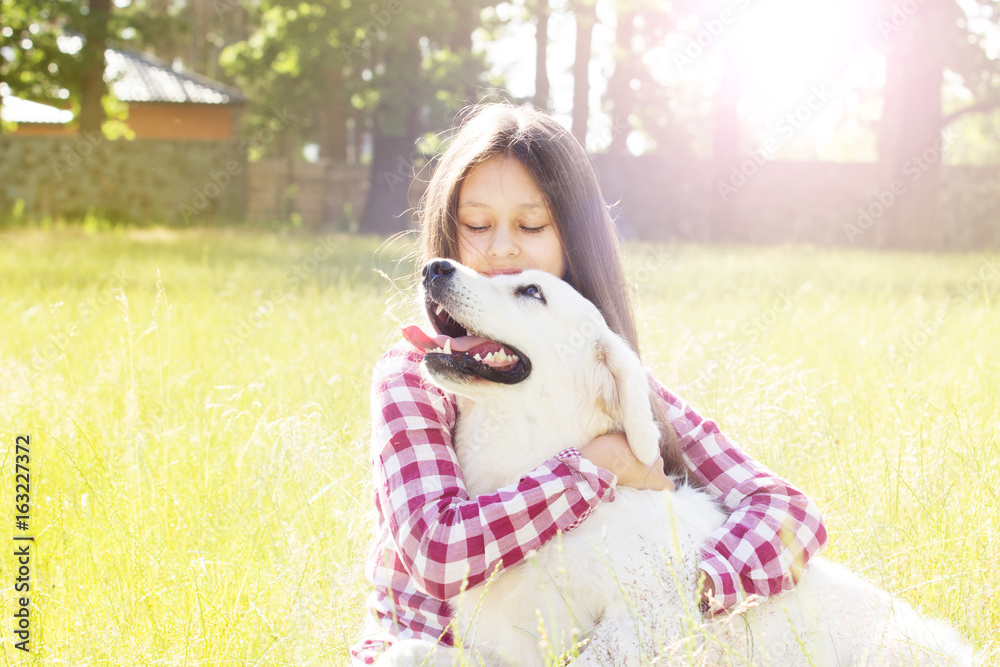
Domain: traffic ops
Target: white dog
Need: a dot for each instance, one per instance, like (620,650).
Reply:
(536,370)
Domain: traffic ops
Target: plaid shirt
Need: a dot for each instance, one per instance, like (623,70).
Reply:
(432,539)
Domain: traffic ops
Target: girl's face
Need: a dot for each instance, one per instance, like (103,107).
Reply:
(504,224)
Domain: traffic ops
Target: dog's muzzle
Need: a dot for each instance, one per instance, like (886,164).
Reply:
(456,348)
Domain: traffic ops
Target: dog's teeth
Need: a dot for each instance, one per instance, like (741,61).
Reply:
(501,355)
(439,309)
(489,358)
(447,346)
(514,357)
(478,357)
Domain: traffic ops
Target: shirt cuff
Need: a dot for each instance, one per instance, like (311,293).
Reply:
(606,480)
(368,650)
(725,579)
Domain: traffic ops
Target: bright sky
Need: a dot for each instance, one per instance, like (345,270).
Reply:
(811,69)
(802,63)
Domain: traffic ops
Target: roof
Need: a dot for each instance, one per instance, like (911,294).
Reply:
(136,77)
(16,110)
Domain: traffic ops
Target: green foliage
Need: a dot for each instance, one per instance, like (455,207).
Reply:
(971,51)
(41,51)
(358,57)
(32,64)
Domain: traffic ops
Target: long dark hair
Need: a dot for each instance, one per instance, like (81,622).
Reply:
(562,170)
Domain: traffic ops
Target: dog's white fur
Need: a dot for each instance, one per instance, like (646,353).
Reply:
(624,578)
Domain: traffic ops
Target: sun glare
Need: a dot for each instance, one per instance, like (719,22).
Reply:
(784,47)
(798,63)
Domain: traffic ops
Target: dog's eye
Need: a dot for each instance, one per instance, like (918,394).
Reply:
(531,290)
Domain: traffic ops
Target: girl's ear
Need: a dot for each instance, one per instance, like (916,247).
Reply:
(621,389)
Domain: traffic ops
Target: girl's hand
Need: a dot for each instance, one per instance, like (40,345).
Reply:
(709,604)
(611,452)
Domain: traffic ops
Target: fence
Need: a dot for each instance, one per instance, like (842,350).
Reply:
(825,203)
(146,180)
(196,182)
(325,195)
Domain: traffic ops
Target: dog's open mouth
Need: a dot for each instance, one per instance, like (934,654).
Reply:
(456,349)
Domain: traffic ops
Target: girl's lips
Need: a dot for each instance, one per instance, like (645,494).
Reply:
(502,272)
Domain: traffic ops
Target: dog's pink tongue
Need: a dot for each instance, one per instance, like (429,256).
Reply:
(416,337)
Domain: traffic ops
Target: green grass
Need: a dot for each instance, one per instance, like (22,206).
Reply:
(197,403)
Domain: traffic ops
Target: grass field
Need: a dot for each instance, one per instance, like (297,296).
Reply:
(197,405)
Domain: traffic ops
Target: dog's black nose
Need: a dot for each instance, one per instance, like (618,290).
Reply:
(438,267)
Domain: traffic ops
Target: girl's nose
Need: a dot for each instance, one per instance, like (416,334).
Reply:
(502,244)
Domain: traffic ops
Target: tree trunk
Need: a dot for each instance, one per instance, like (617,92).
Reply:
(726,155)
(387,203)
(460,42)
(396,129)
(92,86)
(333,117)
(199,46)
(541,99)
(619,86)
(357,136)
(466,20)
(904,210)
(586,17)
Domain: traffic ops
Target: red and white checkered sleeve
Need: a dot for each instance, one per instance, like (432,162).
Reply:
(773,528)
(444,537)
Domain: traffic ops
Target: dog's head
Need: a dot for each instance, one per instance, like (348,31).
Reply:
(532,334)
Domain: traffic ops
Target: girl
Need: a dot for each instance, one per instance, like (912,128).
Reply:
(516,191)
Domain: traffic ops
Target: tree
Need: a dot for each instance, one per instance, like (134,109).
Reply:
(428,73)
(396,128)
(726,133)
(919,45)
(642,101)
(627,69)
(920,41)
(399,70)
(32,65)
(296,57)
(94,22)
(585,13)
(52,51)
(194,33)
(540,9)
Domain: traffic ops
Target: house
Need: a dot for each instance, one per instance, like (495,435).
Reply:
(186,164)
(168,104)
(163,103)
(33,118)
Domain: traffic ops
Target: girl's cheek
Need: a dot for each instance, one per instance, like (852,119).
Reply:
(469,253)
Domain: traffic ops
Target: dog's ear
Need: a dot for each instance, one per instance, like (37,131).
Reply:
(622,390)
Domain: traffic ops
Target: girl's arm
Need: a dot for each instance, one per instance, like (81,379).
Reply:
(443,537)
(773,528)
